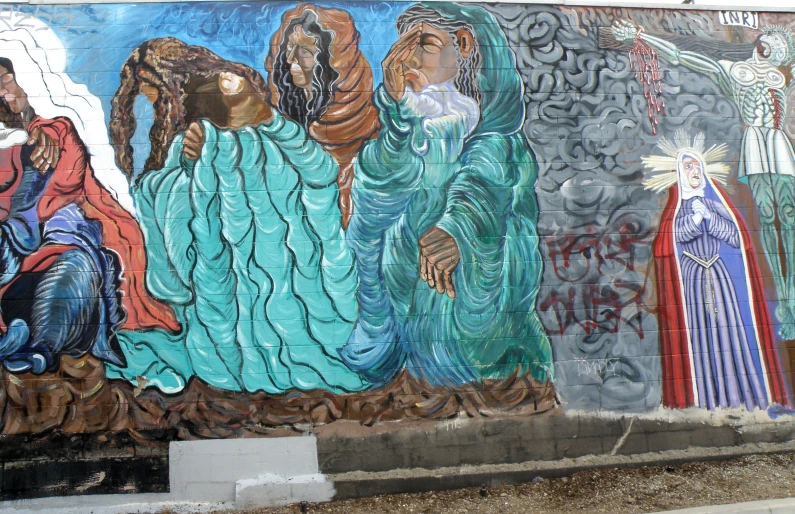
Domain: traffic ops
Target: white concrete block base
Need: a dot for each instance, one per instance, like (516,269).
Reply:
(250,473)
(276,490)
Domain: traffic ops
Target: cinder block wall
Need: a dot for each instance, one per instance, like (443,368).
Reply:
(429,234)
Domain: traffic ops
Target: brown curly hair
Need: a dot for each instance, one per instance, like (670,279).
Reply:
(174,68)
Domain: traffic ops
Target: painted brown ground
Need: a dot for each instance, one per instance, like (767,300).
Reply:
(79,399)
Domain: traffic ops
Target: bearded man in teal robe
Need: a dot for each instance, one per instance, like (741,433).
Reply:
(444,223)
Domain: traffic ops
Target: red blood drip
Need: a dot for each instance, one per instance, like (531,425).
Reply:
(643,60)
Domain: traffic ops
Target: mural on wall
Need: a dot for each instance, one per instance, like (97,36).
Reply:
(716,350)
(375,211)
(243,233)
(444,219)
(72,269)
(758,86)
(321,80)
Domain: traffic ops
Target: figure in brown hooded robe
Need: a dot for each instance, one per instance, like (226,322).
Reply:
(319,78)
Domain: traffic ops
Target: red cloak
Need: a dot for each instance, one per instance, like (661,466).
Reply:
(73,182)
(675,351)
(351,118)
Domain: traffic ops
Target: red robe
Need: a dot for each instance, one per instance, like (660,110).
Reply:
(73,182)
(675,349)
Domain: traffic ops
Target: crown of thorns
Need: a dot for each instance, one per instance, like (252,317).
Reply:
(788,38)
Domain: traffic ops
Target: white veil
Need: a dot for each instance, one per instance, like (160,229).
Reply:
(39,60)
(685,190)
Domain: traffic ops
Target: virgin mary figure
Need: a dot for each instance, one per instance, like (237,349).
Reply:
(716,337)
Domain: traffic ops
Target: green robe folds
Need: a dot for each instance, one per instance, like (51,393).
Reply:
(246,245)
(480,189)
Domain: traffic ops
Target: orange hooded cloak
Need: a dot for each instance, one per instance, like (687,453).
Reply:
(350,119)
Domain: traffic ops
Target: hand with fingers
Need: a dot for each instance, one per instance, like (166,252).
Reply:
(46,150)
(700,212)
(439,256)
(193,142)
(624,30)
(393,64)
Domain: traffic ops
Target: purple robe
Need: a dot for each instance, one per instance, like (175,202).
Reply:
(728,373)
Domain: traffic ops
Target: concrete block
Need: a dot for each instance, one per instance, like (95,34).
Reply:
(709,436)
(785,432)
(757,434)
(553,426)
(312,492)
(466,434)
(206,491)
(380,459)
(196,467)
(593,426)
(534,449)
(242,466)
(269,490)
(339,462)
(634,443)
(662,441)
(266,495)
(579,446)
(430,457)
(216,466)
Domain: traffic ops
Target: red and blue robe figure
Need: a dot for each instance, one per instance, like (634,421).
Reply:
(716,337)
(72,260)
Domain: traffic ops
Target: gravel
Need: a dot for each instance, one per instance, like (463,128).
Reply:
(644,489)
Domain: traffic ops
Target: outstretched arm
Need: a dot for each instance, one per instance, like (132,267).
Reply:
(626,30)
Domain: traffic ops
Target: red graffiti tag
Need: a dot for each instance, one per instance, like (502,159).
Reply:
(597,306)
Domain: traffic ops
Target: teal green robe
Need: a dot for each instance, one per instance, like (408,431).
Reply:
(246,245)
(480,190)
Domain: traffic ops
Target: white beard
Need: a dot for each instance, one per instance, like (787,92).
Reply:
(443,103)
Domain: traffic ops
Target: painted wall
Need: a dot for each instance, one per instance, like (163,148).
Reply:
(223,218)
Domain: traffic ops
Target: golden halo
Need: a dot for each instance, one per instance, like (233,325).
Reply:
(662,169)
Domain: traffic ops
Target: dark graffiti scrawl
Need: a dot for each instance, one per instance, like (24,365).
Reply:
(247,215)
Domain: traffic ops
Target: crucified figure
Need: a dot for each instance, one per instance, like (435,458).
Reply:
(758,87)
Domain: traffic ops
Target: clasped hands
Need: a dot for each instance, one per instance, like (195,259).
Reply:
(700,212)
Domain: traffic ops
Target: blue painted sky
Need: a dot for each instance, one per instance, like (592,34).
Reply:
(100,37)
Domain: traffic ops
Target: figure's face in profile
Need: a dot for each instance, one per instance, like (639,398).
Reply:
(773,48)
(693,172)
(14,96)
(301,50)
(434,61)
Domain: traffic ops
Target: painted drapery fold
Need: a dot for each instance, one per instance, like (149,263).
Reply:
(476,186)
(246,244)
(685,383)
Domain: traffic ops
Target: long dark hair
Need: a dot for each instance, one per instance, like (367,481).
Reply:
(292,99)
(175,69)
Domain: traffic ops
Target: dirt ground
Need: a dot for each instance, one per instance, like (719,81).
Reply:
(646,489)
